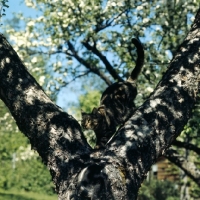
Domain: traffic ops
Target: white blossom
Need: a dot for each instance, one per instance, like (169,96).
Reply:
(139,8)
(145,20)
(34,60)
(42,80)
(31,23)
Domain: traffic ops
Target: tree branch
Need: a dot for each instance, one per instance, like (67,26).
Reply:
(101,26)
(55,135)
(93,69)
(103,58)
(188,167)
(187,146)
(156,124)
(117,171)
(79,76)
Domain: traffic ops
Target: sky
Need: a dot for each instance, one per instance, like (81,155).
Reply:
(18,6)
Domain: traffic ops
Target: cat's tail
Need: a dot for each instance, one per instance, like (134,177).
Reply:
(139,62)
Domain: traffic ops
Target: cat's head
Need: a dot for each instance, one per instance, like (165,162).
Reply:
(91,120)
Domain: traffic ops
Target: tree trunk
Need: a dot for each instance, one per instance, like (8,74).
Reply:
(116,172)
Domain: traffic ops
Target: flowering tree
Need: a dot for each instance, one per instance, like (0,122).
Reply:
(116,172)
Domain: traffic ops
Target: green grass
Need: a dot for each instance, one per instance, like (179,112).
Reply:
(21,195)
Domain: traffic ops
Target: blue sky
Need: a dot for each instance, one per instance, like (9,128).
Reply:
(18,6)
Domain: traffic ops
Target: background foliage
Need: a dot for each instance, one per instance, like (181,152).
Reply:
(21,168)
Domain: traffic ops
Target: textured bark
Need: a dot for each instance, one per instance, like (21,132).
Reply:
(118,171)
(53,133)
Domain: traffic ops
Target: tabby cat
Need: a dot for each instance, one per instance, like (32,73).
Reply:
(116,104)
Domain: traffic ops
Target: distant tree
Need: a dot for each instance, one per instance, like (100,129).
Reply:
(155,190)
(21,167)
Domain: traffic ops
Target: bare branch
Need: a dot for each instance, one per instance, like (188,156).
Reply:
(79,76)
(92,68)
(187,146)
(103,58)
(188,167)
(100,26)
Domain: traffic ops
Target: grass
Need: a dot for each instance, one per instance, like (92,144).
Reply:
(21,195)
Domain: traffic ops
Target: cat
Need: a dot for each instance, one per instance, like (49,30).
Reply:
(116,104)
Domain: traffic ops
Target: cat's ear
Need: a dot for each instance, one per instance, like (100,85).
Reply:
(95,110)
(83,113)
(102,110)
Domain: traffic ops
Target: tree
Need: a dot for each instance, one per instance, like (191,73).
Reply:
(156,190)
(92,38)
(118,171)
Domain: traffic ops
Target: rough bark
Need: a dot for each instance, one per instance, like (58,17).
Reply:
(118,171)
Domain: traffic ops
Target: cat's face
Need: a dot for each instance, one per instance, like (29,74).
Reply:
(91,120)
